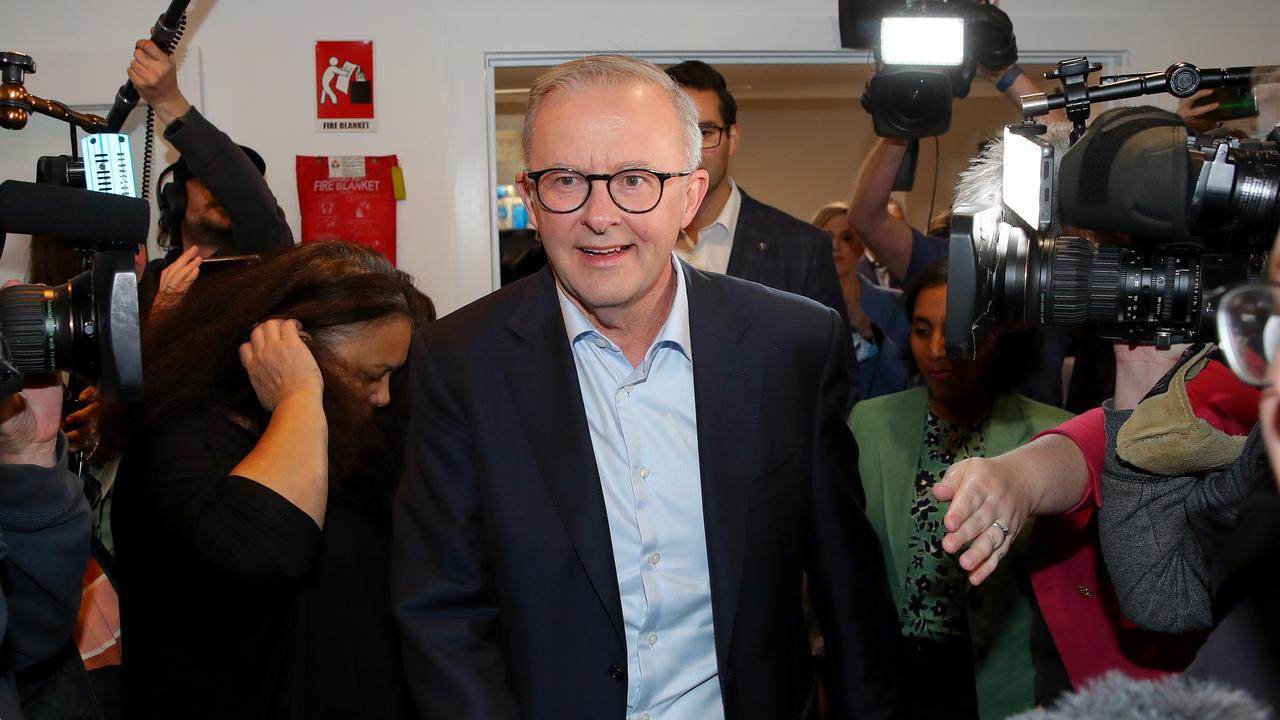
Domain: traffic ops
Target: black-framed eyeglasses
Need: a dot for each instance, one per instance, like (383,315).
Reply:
(637,191)
(1248,319)
(711,135)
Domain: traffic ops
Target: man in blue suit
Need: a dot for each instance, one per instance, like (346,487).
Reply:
(621,468)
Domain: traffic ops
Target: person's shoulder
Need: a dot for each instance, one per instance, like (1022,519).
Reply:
(787,227)
(479,320)
(1039,415)
(760,301)
(873,411)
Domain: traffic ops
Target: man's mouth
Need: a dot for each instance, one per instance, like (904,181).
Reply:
(605,252)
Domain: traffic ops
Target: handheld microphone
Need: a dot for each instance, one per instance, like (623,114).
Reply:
(165,35)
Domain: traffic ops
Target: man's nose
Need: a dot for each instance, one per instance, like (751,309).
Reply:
(600,212)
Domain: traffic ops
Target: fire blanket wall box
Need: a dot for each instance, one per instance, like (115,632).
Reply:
(351,198)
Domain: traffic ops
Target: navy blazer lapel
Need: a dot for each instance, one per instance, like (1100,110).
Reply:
(543,381)
(727,390)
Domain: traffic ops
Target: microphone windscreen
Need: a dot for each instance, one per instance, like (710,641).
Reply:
(108,222)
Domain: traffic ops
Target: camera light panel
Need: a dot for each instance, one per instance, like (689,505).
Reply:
(922,41)
(1027,179)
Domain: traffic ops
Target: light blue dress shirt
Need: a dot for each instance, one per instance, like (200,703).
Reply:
(645,437)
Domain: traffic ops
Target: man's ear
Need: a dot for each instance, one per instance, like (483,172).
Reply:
(695,189)
(734,136)
(525,187)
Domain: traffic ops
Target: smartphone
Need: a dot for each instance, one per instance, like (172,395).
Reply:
(1233,103)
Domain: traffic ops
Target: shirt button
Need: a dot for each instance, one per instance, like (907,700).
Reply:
(654,558)
(644,472)
(644,716)
(652,639)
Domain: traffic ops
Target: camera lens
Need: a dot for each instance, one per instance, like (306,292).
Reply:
(51,328)
(1255,198)
(1140,294)
(915,99)
(910,103)
(1115,284)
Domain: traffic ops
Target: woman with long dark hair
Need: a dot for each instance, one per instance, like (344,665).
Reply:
(971,646)
(251,512)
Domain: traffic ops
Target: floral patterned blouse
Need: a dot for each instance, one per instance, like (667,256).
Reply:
(934,605)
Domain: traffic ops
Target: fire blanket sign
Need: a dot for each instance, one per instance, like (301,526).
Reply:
(350,198)
(344,86)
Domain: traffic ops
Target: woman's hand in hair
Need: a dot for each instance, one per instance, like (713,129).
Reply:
(279,363)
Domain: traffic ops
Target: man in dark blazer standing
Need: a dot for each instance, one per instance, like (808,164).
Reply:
(735,234)
(620,468)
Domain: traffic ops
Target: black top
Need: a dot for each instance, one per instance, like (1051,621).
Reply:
(233,603)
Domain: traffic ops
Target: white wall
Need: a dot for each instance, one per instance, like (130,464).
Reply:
(431,96)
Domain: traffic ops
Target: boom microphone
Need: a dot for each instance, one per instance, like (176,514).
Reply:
(166,31)
(112,222)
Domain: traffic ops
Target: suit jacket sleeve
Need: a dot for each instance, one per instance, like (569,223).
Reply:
(257,222)
(847,579)
(441,585)
(1159,533)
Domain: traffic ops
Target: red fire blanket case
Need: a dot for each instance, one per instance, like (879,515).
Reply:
(349,198)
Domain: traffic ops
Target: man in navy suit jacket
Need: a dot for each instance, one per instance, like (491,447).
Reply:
(735,234)
(620,469)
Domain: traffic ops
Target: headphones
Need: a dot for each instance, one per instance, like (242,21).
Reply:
(171,197)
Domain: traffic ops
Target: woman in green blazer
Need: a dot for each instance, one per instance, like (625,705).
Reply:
(969,646)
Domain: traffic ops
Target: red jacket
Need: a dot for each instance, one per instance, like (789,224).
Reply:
(1070,581)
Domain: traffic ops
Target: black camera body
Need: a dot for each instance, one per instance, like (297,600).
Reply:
(88,326)
(1174,218)
(926,56)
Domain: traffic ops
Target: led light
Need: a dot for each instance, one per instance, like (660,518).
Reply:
(922,41)
(1027,173)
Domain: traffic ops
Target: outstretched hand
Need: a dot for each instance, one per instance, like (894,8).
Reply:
(279,363)
(982,493)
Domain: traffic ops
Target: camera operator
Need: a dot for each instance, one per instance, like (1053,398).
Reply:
(904,251)
(218,200)
(1190,544)
(45,523)
(1057,475)
(897,246)
(1205,541)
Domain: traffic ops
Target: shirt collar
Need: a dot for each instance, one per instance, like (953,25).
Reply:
(728,217)
(675,331)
